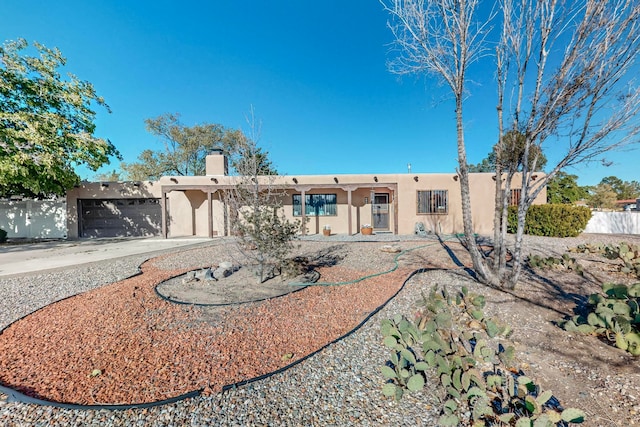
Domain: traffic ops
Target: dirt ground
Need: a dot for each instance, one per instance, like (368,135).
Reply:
(239,287)
(582,371)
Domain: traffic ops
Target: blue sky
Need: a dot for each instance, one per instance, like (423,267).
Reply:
(314,72)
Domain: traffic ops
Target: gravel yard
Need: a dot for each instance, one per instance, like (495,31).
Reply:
(341,384)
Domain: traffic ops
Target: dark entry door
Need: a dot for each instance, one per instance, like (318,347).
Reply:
(380,211)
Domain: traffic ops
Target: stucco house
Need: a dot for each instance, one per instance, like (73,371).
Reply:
(195,205)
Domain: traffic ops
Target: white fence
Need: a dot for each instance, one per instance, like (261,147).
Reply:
(614,222)
(34,218)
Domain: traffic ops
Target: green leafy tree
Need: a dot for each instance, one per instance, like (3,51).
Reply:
(512,155)
(112,176)
(186,148)
(624,190)
(602,196)
(245,156)
(486,165)
(46,123)
(564,189)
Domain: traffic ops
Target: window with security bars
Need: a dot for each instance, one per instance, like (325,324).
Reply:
(514,197)
(316,205)
(433,202)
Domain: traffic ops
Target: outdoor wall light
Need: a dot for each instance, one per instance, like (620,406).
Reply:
(295,180)
(493,177)
(215,180)
(335,178)
(375,178)
(173,180)
(456,177)
(415,178)
(534,177)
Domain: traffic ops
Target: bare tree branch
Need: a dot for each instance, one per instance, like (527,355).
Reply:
(567,66)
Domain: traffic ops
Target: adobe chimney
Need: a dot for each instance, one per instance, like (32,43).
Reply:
(217,163)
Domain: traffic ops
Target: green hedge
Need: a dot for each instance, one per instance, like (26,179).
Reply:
(3,236)
(551,220)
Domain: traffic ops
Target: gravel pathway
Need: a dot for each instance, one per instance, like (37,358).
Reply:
(337,387)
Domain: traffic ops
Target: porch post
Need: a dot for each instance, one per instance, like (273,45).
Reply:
(209,213)
(163,206)
(395,209)
(349,210)
(303,206)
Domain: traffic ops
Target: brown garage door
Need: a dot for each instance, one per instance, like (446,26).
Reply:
(119,217)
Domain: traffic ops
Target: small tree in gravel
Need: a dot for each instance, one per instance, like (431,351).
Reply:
(265,235)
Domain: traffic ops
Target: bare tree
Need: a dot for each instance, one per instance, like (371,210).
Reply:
(571,62)
(265,235)
(443,37)
(562,79)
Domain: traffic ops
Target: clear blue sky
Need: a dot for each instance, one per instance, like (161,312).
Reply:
(314,72)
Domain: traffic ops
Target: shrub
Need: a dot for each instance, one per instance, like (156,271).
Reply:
(551,220)
(3,236)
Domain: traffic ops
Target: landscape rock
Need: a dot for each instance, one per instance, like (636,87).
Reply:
(225,269)
(189,277)
(204,274)
(394,249)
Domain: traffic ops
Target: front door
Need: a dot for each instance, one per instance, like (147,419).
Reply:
(380,211)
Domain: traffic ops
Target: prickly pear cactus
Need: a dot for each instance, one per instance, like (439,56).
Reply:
(628,254)
(613,315)
(563,263)
(454,340)
(403,370)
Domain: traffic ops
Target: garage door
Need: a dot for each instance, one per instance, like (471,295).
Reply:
(120,217)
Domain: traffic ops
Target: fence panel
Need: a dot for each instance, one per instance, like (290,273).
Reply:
(614,223)
(34,218)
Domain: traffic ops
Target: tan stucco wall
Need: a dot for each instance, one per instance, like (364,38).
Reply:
(188,214)
(188,211)
(482,188)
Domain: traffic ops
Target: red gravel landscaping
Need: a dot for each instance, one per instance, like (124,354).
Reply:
(122,344)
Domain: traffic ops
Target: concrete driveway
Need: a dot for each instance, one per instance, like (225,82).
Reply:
(31,257)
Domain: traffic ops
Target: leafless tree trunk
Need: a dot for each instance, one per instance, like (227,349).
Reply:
(442,38)
(582,96)
(565,64)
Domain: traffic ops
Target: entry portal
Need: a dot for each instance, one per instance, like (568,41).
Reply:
(380,211)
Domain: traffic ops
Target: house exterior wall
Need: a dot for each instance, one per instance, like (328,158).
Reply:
(189,213)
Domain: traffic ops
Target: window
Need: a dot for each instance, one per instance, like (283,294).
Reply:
(514,197)
(316,204)
(433,202)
